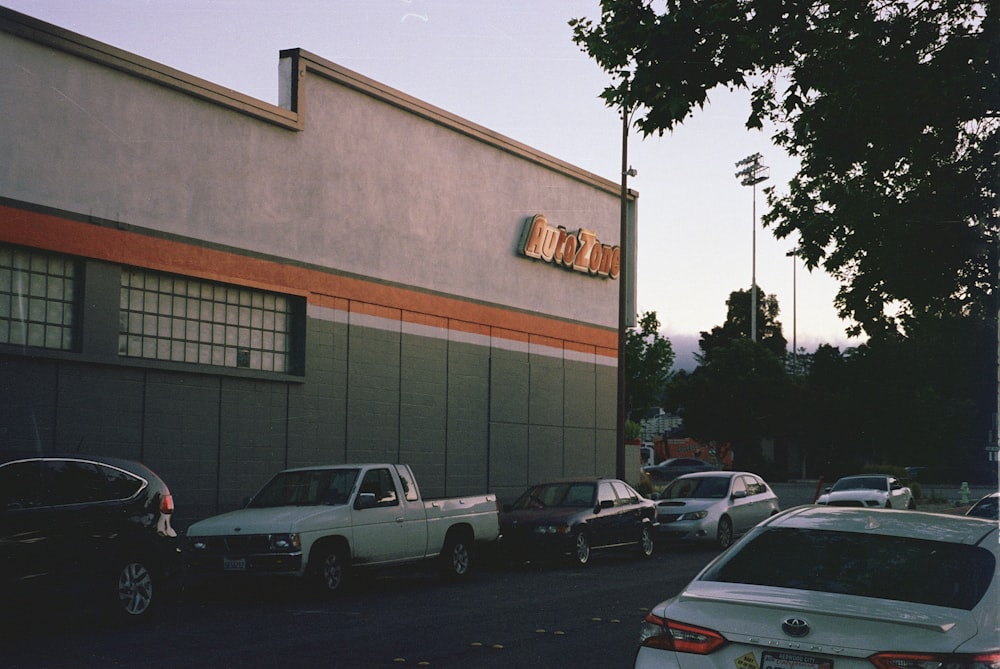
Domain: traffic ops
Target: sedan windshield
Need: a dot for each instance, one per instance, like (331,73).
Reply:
(865,565)
(860,483)
(307,488)
(702,487)
(556,494)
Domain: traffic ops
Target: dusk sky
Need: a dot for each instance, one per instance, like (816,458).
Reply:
(512,67)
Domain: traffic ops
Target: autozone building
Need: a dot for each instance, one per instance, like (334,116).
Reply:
(221,288)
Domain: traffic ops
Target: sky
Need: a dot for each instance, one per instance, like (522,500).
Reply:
(512,67)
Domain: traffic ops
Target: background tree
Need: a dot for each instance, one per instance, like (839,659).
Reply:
(892,108)
(738,324)
(649,358)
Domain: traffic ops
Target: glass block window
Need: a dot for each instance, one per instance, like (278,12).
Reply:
(37,298)
(177,319)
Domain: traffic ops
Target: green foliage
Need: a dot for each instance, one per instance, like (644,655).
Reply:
(649,357)
(633,430)
(892,109)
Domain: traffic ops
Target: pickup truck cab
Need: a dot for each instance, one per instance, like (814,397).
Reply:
(320,522)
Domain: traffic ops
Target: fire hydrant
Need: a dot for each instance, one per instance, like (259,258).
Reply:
(963,492)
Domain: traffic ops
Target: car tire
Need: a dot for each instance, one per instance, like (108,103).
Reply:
(912,504)
(646,544)
(329,566)
(888,503)
(724,533)
(135,587)
(456,556)
(581,549)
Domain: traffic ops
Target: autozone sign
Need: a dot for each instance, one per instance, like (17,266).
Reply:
(580,250)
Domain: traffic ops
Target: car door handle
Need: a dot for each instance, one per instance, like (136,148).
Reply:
(400,519)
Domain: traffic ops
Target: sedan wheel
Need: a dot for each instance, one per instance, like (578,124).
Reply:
(646,542)
(135,589)
(725,533)
(582,552)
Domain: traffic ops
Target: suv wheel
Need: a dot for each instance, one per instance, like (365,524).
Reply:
(135,588)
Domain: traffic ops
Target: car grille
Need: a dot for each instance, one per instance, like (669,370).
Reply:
(668,517)
(847,502)
(238,545)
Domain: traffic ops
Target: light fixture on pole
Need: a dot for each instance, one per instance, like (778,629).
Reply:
(751,175)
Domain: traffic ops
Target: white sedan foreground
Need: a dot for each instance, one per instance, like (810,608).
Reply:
(869,490)
(838,588)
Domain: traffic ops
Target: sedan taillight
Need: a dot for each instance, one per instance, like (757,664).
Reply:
(667,634)
(166,503)
(987,660)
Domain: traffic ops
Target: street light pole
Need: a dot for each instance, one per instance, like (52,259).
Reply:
(623,320)
(751,175)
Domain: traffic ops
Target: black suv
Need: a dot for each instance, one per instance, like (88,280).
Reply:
(83,524)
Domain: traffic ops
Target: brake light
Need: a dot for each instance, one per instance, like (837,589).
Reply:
(667,634)
(167,503)
(987,660)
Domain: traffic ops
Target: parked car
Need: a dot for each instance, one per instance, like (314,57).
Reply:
(88,526)
(713,506)
(319,523)
(820,587)
(576,517)
(869,490)
(986,507)
(671,468)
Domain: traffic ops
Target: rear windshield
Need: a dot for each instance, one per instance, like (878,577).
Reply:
(867,565)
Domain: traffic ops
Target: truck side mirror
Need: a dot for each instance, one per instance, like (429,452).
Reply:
(365,500)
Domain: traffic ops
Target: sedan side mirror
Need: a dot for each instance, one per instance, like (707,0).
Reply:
(739,494)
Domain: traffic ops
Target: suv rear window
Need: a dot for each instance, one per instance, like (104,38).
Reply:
(866,565)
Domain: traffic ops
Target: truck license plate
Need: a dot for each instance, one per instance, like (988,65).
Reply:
(770,660)
(229,564)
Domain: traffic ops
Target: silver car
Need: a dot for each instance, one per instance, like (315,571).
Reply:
(713,506)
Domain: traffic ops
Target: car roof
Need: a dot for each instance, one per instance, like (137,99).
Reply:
(715,473)
(915,524)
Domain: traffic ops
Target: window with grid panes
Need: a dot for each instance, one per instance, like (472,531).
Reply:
(180,319)
(37,298)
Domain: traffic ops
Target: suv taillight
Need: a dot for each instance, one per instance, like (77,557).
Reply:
(167,503)
(667,634)
(987,660)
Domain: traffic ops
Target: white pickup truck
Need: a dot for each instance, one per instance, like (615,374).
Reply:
(320,522)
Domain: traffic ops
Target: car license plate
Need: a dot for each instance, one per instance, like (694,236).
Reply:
(771,660)
(229,564)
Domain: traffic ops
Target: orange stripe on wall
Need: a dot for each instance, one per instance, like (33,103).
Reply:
(55,233)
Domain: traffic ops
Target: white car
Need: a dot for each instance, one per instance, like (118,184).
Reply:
(713,506)
(838,588)
(878,490)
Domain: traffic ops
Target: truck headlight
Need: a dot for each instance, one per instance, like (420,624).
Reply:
(283,543)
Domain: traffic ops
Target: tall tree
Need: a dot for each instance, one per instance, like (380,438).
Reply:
(738,324)
(649,357)
(892,108)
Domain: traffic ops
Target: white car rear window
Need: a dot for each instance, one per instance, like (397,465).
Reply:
(867,565)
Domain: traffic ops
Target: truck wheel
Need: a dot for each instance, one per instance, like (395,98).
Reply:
(456,556)
(329,566)
(646,542)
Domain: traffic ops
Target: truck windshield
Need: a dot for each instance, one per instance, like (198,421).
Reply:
(307,487)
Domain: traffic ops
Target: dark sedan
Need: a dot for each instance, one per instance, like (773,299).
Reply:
(84,524)
(668,470)
(572,518)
